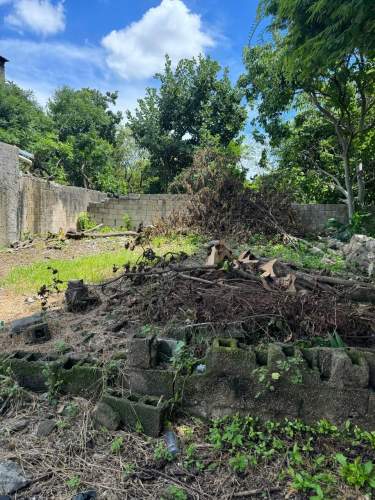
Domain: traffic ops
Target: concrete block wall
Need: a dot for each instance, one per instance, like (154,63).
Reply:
(47,206)
(314,218)
(148,208)
(32,205)
(9,188)
(141,208)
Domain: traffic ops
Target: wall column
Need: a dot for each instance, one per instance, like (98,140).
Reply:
(9,193)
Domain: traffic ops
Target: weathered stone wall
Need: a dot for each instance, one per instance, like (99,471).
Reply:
(311,383)
(30,204)
(314,217)
(46,206)
(147,208)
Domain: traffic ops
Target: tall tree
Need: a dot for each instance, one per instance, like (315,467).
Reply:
(21,118)
(192,101)
(83,120)
(341,90)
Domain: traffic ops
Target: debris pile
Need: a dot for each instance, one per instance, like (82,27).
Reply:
(263,299)
(360,253)
(220,204)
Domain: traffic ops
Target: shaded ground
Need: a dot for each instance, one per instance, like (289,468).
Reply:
(233,458)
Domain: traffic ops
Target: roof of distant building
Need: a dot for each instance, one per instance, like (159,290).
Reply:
(3,59)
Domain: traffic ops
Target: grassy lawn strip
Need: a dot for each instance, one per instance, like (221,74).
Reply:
(93,268)
(300,255)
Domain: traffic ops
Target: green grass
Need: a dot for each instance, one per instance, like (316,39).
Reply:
(93,268)
(300,255)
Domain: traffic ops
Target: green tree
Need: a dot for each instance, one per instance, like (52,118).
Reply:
(22,120)
(342,93)
(193,100)
(321,32)
(131,163)
(85,123)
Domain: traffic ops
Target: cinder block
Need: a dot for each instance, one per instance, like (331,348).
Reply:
(135,411)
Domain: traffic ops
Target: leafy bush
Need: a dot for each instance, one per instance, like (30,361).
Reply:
(239,463)
(361,223)
(84,222)
(356,473)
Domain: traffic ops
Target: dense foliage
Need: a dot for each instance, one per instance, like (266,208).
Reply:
(313,86)
(193,103)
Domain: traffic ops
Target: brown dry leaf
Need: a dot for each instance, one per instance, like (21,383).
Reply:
(288,282)
(266,285)
(268,269)
(219,252)
(247,257)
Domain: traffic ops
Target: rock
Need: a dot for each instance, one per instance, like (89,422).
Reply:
(78,297)
(17,426)
(86,495)
(360,253)
(334,244)
(327,261)
(45,428)
(12,478)
(105,416)
(316,251)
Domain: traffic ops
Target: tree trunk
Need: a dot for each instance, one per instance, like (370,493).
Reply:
(348,182)
(361,185)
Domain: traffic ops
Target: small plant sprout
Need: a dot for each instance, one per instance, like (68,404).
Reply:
(356,473)
(117,444)
(174,493)
(74,482)
(161,453)
(128,470)
(239,463)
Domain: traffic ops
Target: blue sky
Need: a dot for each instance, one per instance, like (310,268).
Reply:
(116,44)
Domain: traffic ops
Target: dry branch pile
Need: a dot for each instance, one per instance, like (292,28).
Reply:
(262,299)
(219,203)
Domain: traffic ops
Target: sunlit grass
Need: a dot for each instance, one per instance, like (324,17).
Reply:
(92,268)
(299,254)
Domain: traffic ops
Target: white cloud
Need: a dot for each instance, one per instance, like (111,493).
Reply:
(45,66)
(138,50)
(41,16)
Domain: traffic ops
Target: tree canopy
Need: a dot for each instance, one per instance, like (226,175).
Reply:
(193,102)
(278,80)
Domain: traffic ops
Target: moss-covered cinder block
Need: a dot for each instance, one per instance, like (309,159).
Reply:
(138,412)
(28,368)
(81,380)
(141,352)
(153,382)
(227,357)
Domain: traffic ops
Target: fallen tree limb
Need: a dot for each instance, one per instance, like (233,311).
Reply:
(110,235)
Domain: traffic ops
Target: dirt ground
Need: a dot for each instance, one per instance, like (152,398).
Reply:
(14,305)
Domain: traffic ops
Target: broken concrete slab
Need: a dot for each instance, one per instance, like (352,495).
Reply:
(12,478)
(45,427)
(105,416)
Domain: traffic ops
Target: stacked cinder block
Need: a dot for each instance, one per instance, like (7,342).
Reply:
(140,208)
(314,217)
